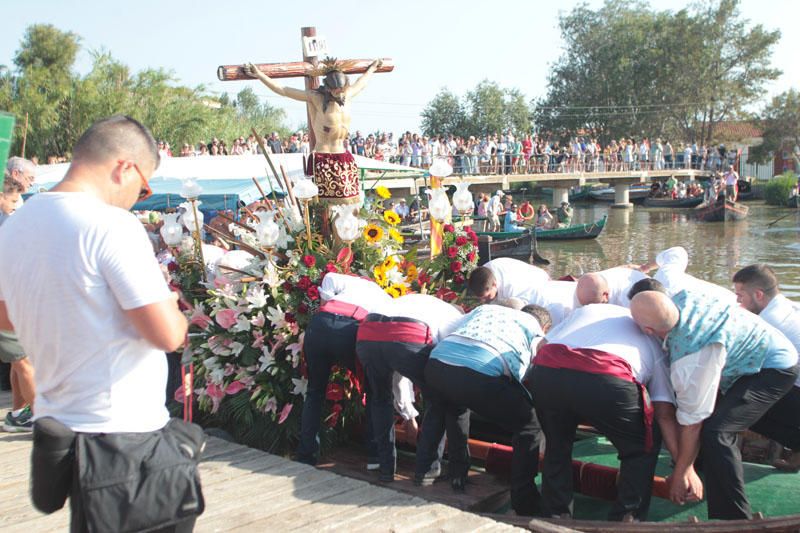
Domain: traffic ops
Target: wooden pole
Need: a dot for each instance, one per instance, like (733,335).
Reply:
(24,135)
(295,69)
(312,82)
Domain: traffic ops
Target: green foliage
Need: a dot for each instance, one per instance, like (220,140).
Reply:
(484,110)
(61,105)
(629,70)
(781,120)
(779,188)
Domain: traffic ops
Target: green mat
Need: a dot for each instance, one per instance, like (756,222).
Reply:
(772,492)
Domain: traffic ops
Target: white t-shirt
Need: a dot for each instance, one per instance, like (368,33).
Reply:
(784,315)
(620,280)
(672,264)
(611,329)
(514,277)
(441,317)
(79,264)
(558,297)
(353,290)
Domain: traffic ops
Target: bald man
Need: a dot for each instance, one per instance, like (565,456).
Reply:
(608,286)
(727,367)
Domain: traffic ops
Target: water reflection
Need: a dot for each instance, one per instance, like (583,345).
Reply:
(716,250)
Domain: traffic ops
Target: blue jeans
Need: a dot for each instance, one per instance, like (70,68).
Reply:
(330,340)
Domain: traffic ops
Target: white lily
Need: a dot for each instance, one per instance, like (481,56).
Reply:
(300,386)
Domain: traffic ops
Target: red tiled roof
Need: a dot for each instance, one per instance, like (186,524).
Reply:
(736,130)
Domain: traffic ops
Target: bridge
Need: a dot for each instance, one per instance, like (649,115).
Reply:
(561,182)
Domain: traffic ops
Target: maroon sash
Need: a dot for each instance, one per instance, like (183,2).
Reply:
(395,331)
(337,307)
(597,362)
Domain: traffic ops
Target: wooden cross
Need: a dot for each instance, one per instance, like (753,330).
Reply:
(298,69)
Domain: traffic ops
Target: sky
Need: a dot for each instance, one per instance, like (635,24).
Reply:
(452,44)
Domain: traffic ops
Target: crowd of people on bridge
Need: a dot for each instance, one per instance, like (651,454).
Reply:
(498,153)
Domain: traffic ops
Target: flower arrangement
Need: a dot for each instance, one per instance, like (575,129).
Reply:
(458,259)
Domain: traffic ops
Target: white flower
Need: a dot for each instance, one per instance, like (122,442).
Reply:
(217,375)
(236,348)
(394,276)
(266,359)
(276,317)
(256,297)
(283,239)
(258,320)
(211,362)
(242,324)
(271,277)
(300,386)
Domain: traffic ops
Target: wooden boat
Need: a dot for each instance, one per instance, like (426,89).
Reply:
(636,194)
(676,203)
(568,233)
(721,211)
(516,245)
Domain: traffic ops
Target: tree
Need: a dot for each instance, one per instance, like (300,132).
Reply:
(45,46)
(781,122)
(487,109)
(444,114)
(628,70)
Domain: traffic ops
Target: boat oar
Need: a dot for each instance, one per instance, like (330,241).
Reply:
(778,219)
(538,259)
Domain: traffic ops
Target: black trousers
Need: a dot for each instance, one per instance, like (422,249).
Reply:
(500,399)
(782,422)
(380,361)
(564,398)
(330,340)
(745,403)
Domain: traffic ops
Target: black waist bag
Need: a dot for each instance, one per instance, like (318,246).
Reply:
(52,464)
(140,481)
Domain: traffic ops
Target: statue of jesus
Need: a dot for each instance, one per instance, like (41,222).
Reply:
(334,169)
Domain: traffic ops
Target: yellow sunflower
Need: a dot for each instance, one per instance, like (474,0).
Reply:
(383,192)
(411,272)
(396,290)
(391,217)
(388,263)
(379,275)
(373,233)
(394,234)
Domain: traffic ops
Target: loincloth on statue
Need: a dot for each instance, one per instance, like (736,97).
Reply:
(336,175)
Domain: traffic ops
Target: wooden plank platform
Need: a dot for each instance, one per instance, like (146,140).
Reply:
(250,490)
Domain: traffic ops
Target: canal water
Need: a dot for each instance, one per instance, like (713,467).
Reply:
(716,250)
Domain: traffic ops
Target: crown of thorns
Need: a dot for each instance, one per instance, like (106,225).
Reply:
(328,65)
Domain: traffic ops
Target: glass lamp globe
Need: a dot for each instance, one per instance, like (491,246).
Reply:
(462,198)
(438,206)
(172,230)
(346,223)
(188,216)
(305,189)
(190,189)
(440,168)
(267,230)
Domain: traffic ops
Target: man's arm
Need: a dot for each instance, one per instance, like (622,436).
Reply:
(361,82)
(289,92)
(161,323)
(5,323)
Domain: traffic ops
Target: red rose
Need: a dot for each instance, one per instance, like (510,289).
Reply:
(304,283)
(289,317)
(459,278)
(472,256)
(446,294)
(309,260)
(313,292)
(449,228)
(287,286)
(452,251)
(455,266)
(172,266)
(423,277)
(461,240)
(334,392)
(330,267)
(302,309)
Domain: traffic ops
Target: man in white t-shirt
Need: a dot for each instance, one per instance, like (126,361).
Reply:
(608,286)
(86,296)
(493,210)
(672,264)
(594,368)
(757,291)
(503,278)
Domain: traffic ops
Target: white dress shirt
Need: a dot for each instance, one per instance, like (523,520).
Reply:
(620,280)
(558,297)
(784,315)
(672,274)
(440,317)
(514,277)
(353,290)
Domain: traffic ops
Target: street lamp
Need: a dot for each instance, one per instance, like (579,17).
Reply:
(193,219)
(305,190)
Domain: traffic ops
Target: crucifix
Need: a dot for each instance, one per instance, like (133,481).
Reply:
(328,106)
